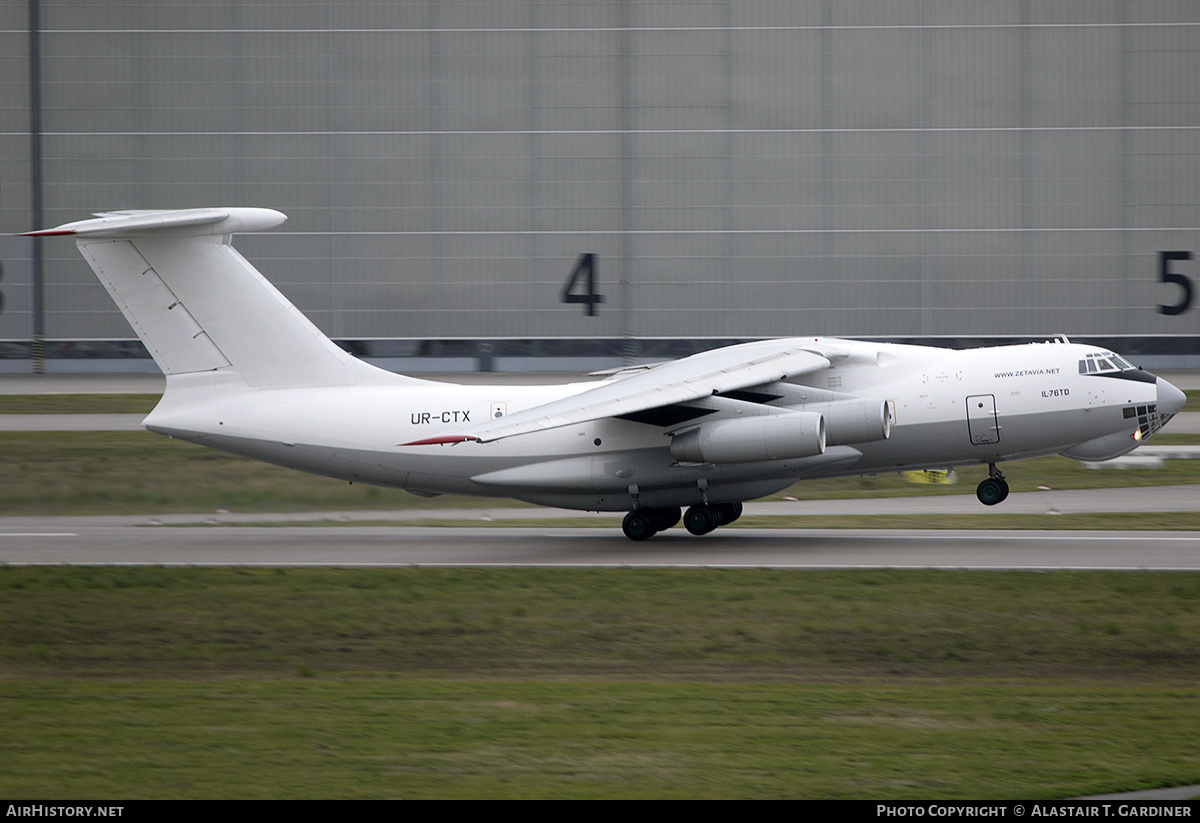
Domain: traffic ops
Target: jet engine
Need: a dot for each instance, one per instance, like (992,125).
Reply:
(766,437)
(857,420)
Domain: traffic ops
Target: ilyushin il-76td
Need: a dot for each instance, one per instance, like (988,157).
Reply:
(247,373)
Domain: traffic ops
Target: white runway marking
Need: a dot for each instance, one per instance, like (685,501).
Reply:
(38,534)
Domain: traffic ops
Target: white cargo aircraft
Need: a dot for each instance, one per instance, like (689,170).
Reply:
(247,373)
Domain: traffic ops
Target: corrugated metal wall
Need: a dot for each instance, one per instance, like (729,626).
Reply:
(869,167)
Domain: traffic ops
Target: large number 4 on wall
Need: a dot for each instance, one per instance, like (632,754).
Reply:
(583,277)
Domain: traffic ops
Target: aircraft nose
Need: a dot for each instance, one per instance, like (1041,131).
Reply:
(1170,399)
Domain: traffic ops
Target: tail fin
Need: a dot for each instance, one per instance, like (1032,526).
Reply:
(199,306)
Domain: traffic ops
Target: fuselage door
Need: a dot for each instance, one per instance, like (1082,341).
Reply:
(982,424)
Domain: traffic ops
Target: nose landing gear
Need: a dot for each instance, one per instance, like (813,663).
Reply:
(994,489)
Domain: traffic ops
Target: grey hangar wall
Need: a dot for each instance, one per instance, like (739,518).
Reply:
(899,168)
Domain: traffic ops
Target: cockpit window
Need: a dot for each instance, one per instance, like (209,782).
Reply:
(1104,362)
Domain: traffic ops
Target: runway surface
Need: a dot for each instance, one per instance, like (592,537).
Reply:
(374,546)
(227,539)
(234,539)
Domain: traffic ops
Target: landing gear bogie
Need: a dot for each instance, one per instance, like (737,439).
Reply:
(642,524)
(703,519)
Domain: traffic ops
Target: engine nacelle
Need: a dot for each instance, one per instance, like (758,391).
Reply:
(753,439)
(857,420)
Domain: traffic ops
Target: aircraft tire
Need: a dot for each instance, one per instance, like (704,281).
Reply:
(639,525)
(727,512)
(664,519)
(701,520)
(991,491)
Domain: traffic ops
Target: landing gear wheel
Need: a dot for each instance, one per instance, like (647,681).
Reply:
(638,525)
(701,519)
(663,519)
(992,491)
(727,512)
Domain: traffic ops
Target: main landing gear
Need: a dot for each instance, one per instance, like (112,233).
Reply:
(994,489)
(641,524)
(703,519)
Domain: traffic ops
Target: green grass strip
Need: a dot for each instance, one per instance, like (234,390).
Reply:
(415,738)
(119,622)
(99,403)
(130,683)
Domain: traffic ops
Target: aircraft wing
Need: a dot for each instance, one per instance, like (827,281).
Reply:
(701,375)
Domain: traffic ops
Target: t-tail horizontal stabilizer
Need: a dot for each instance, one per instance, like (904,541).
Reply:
(199,306)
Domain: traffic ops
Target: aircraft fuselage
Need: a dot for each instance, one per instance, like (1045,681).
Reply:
(947,408)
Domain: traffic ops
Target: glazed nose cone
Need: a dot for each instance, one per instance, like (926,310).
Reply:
(1170,399)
